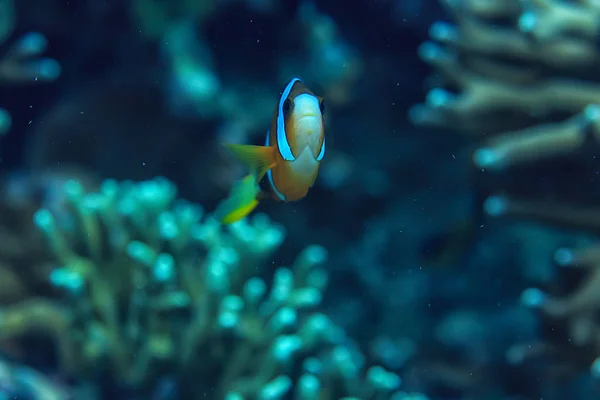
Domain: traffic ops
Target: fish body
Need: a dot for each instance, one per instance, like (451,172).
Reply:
(293,150)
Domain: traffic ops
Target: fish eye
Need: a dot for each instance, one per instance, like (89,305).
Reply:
(322,107)
(287,106)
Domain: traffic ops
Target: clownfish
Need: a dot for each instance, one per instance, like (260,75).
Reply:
(290,158)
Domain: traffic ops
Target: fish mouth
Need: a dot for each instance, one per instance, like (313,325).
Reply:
(308,118)
(302,118)
(308,114)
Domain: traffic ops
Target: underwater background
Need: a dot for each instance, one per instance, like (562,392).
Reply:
(447,251)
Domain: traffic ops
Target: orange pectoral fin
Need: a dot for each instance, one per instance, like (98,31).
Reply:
(259,159)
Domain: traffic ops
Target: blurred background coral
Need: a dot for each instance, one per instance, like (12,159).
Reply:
(447,251)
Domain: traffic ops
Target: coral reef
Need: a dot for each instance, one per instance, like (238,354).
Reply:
(153,290)
(521,79)
(145,297)
(24,259)
(22,61)
(19,382)
(511,85)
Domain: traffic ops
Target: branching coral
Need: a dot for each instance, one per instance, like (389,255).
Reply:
(510,85)
(578,311)
(24,263)
(22,62)
(19,382)
(154,290)
(522,78)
